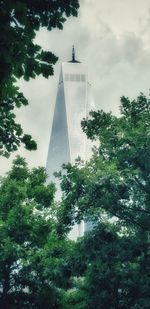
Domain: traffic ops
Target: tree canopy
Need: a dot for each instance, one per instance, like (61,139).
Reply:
(108,268)
(32,254)
(20,57)
(112,191)
(116,180)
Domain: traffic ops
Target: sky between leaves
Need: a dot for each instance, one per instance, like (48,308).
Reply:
(112,37)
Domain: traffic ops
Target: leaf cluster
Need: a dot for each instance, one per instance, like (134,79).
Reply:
(33,262)
(110,265)
(116,181)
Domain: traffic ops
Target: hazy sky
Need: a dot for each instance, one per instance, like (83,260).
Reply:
(112,37)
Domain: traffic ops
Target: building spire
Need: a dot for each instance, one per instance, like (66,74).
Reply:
(73,60)
(73,54)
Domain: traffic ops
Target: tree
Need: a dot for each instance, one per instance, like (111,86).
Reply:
(33,269)
(112,190)
(20,57)
(113,271)
(116,180)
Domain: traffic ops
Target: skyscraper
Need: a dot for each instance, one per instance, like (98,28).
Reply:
(67,141)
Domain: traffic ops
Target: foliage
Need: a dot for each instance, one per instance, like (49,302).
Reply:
(32,255)
(108,268)
(114,271)
(112,191)
(20,57)
(116,180)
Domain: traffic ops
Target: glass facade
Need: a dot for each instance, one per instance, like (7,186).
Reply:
(67,141)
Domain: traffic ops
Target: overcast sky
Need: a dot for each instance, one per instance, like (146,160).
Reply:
(112,37)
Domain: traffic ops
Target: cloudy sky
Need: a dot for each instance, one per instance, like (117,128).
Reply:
(112,37)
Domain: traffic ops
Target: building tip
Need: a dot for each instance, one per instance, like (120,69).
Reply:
(73,53)
(73,60)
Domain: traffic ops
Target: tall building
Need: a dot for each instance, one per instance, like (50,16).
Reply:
(67,141)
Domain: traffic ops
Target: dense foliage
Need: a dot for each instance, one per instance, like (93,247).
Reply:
(113,191)
(108,268)
(32,254)
(20,57)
